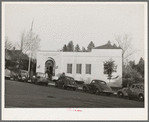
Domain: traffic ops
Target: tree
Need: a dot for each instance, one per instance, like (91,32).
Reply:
(70,46)
(65,48)
(140,67)
(31,43)
(8,44)
(83,49)
(90,46)
(77,48)
(133,73)
(125,44)
(109,68)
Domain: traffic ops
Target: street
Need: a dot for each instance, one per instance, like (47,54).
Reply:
(27,95)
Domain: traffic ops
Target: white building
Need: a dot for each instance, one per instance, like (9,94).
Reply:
(83,66)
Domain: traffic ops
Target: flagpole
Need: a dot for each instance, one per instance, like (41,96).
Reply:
(30,52)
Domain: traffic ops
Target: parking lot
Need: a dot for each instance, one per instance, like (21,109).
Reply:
(27,95)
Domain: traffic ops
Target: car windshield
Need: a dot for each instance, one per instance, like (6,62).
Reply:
(102,82)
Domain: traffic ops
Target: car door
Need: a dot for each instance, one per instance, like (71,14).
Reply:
(92,85)
(60,81)
(136,90)
(132,91)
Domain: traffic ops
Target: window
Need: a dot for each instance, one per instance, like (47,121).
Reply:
(93,82)
(78,68)
(88,68)
(69,68)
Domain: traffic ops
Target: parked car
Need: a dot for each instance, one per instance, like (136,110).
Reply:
(40,78)
(122,92)
(23,76)
(134,91)
(97,87)
(14,76)
(66,82)
(7,74)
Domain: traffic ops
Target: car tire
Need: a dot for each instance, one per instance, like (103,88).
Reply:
(141,97)
(84,89)
(97,92)
(120,94)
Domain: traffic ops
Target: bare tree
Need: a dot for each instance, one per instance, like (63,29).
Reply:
(30,42)
(22,39)
(126,45)
(8,43)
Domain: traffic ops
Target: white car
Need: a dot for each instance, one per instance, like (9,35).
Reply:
(7,74)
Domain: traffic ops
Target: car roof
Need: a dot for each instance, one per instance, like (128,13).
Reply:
(68,77)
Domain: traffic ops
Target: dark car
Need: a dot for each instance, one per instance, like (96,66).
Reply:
(40,78)
(23,76)
(97,87)
(66,82)
(134,91)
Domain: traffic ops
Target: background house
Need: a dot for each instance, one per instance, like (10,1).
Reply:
(15,59)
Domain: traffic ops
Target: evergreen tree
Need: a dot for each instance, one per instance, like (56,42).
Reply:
(109,68)
(65,48)
(70,46)
(77,48)
(140,67)
(90,46)
(83,49)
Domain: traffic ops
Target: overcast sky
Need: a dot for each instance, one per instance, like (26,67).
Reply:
(58,23)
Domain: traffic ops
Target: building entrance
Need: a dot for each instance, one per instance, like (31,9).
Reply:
(49,68)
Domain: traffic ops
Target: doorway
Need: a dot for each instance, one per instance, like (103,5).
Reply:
(49,68)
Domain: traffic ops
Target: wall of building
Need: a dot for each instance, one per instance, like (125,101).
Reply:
(95,58)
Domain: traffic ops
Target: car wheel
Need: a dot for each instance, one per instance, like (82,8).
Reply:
(97,91)
(120,94)
(141,97)
(84,89)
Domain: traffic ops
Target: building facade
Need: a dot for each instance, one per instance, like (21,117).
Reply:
(82,66)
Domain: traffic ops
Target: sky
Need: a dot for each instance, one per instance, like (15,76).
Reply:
(58,23)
